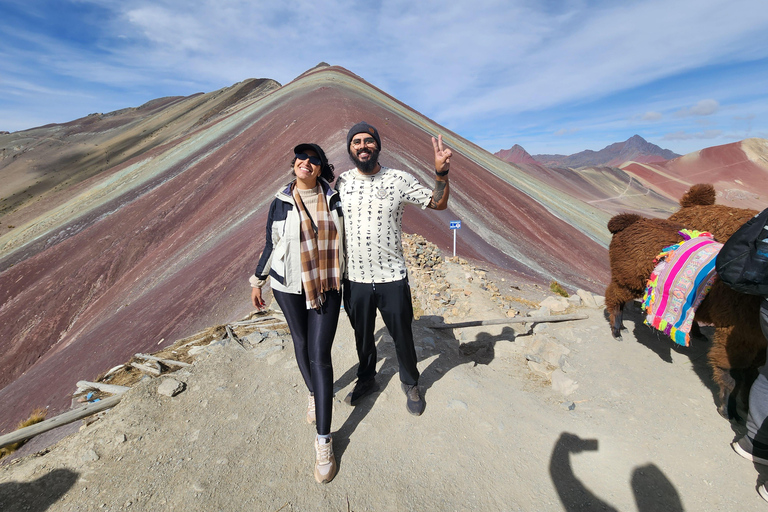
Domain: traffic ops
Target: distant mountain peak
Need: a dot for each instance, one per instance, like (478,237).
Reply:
(516,155)
(634,148)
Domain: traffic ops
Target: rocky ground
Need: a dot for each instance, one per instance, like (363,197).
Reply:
(547,416)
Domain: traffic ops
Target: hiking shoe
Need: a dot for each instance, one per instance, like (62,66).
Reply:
(415,403)
(763,492)
(311,410)
(325,461)
(360,390)
(757,453)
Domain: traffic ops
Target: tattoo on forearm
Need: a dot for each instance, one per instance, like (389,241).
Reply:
(437,194)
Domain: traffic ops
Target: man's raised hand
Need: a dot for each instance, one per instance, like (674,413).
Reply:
(442,154)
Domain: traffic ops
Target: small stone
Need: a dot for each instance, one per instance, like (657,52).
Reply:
(555,304)
(512,313)
(548,350)
(540,369)
(121,438)
(170,387)
(89,455)
(569,406)
(533,357)
(563,384)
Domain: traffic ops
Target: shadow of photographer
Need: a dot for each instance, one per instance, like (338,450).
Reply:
(39,494)
(652,489)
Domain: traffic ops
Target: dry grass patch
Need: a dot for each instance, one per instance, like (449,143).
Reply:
(37,416)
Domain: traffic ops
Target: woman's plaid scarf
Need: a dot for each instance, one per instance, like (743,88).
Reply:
(319,251)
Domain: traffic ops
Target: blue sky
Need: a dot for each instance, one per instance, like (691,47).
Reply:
(554,76)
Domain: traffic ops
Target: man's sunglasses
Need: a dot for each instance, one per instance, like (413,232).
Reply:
(314,160)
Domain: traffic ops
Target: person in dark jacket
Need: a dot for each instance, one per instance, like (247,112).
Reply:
(303,258)
(742,264)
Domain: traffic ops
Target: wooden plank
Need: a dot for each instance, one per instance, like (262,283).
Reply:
(167,362)
(62,419)
(520,320)
(146,369)
(257,321)
(107,388)
(233,336)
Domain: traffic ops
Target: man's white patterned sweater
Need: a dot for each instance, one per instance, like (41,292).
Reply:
(373,213)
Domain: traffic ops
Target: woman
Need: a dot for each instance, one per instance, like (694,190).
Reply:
(303,256)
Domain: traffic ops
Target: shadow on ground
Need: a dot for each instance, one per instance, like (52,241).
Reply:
(450,353)
(663,346)
(652,489)
(38,495)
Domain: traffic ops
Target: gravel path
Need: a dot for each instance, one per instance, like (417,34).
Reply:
(638,431)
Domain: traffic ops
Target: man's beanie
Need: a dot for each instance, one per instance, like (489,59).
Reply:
(363,127)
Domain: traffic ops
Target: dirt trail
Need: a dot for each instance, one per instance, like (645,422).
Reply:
(639,432)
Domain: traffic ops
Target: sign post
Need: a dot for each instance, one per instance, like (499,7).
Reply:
(455,224)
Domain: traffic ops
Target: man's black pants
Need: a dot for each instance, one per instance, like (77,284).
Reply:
(393,300)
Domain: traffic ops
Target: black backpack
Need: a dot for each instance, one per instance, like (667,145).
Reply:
(742,263)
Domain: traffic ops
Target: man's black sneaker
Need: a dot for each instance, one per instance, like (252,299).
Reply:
(415,403)
(763,491)
(757,453)
(361,390)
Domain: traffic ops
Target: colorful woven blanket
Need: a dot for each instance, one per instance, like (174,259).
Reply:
(680,281)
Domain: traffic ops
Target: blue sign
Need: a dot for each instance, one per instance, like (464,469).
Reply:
(455,224)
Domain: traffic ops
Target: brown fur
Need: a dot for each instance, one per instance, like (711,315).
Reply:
(738,342)
(698,211)
(701,194)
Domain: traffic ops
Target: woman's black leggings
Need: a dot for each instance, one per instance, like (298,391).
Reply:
(313,331)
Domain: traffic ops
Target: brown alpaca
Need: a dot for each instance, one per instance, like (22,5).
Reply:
(699,211)
(738,347)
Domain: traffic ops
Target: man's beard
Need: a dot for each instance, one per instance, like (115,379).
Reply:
(368,166)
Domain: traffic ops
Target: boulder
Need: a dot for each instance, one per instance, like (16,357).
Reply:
(170,387)
(587,298)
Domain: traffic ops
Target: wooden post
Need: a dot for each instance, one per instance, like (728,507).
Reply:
(167,362)
(146,369)
(62,419)
(107,388)
(521,320)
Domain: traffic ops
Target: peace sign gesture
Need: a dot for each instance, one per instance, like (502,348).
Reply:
(442,154)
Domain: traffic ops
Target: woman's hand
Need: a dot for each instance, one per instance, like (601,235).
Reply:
(257,300)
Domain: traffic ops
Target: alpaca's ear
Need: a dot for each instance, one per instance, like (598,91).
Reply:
(701,194)
(621,221)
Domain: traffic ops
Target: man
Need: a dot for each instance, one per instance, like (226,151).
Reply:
(372,200)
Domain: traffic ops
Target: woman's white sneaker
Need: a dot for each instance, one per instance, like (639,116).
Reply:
(325,461)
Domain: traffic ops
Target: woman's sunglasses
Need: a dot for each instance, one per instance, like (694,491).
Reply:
(314,160)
